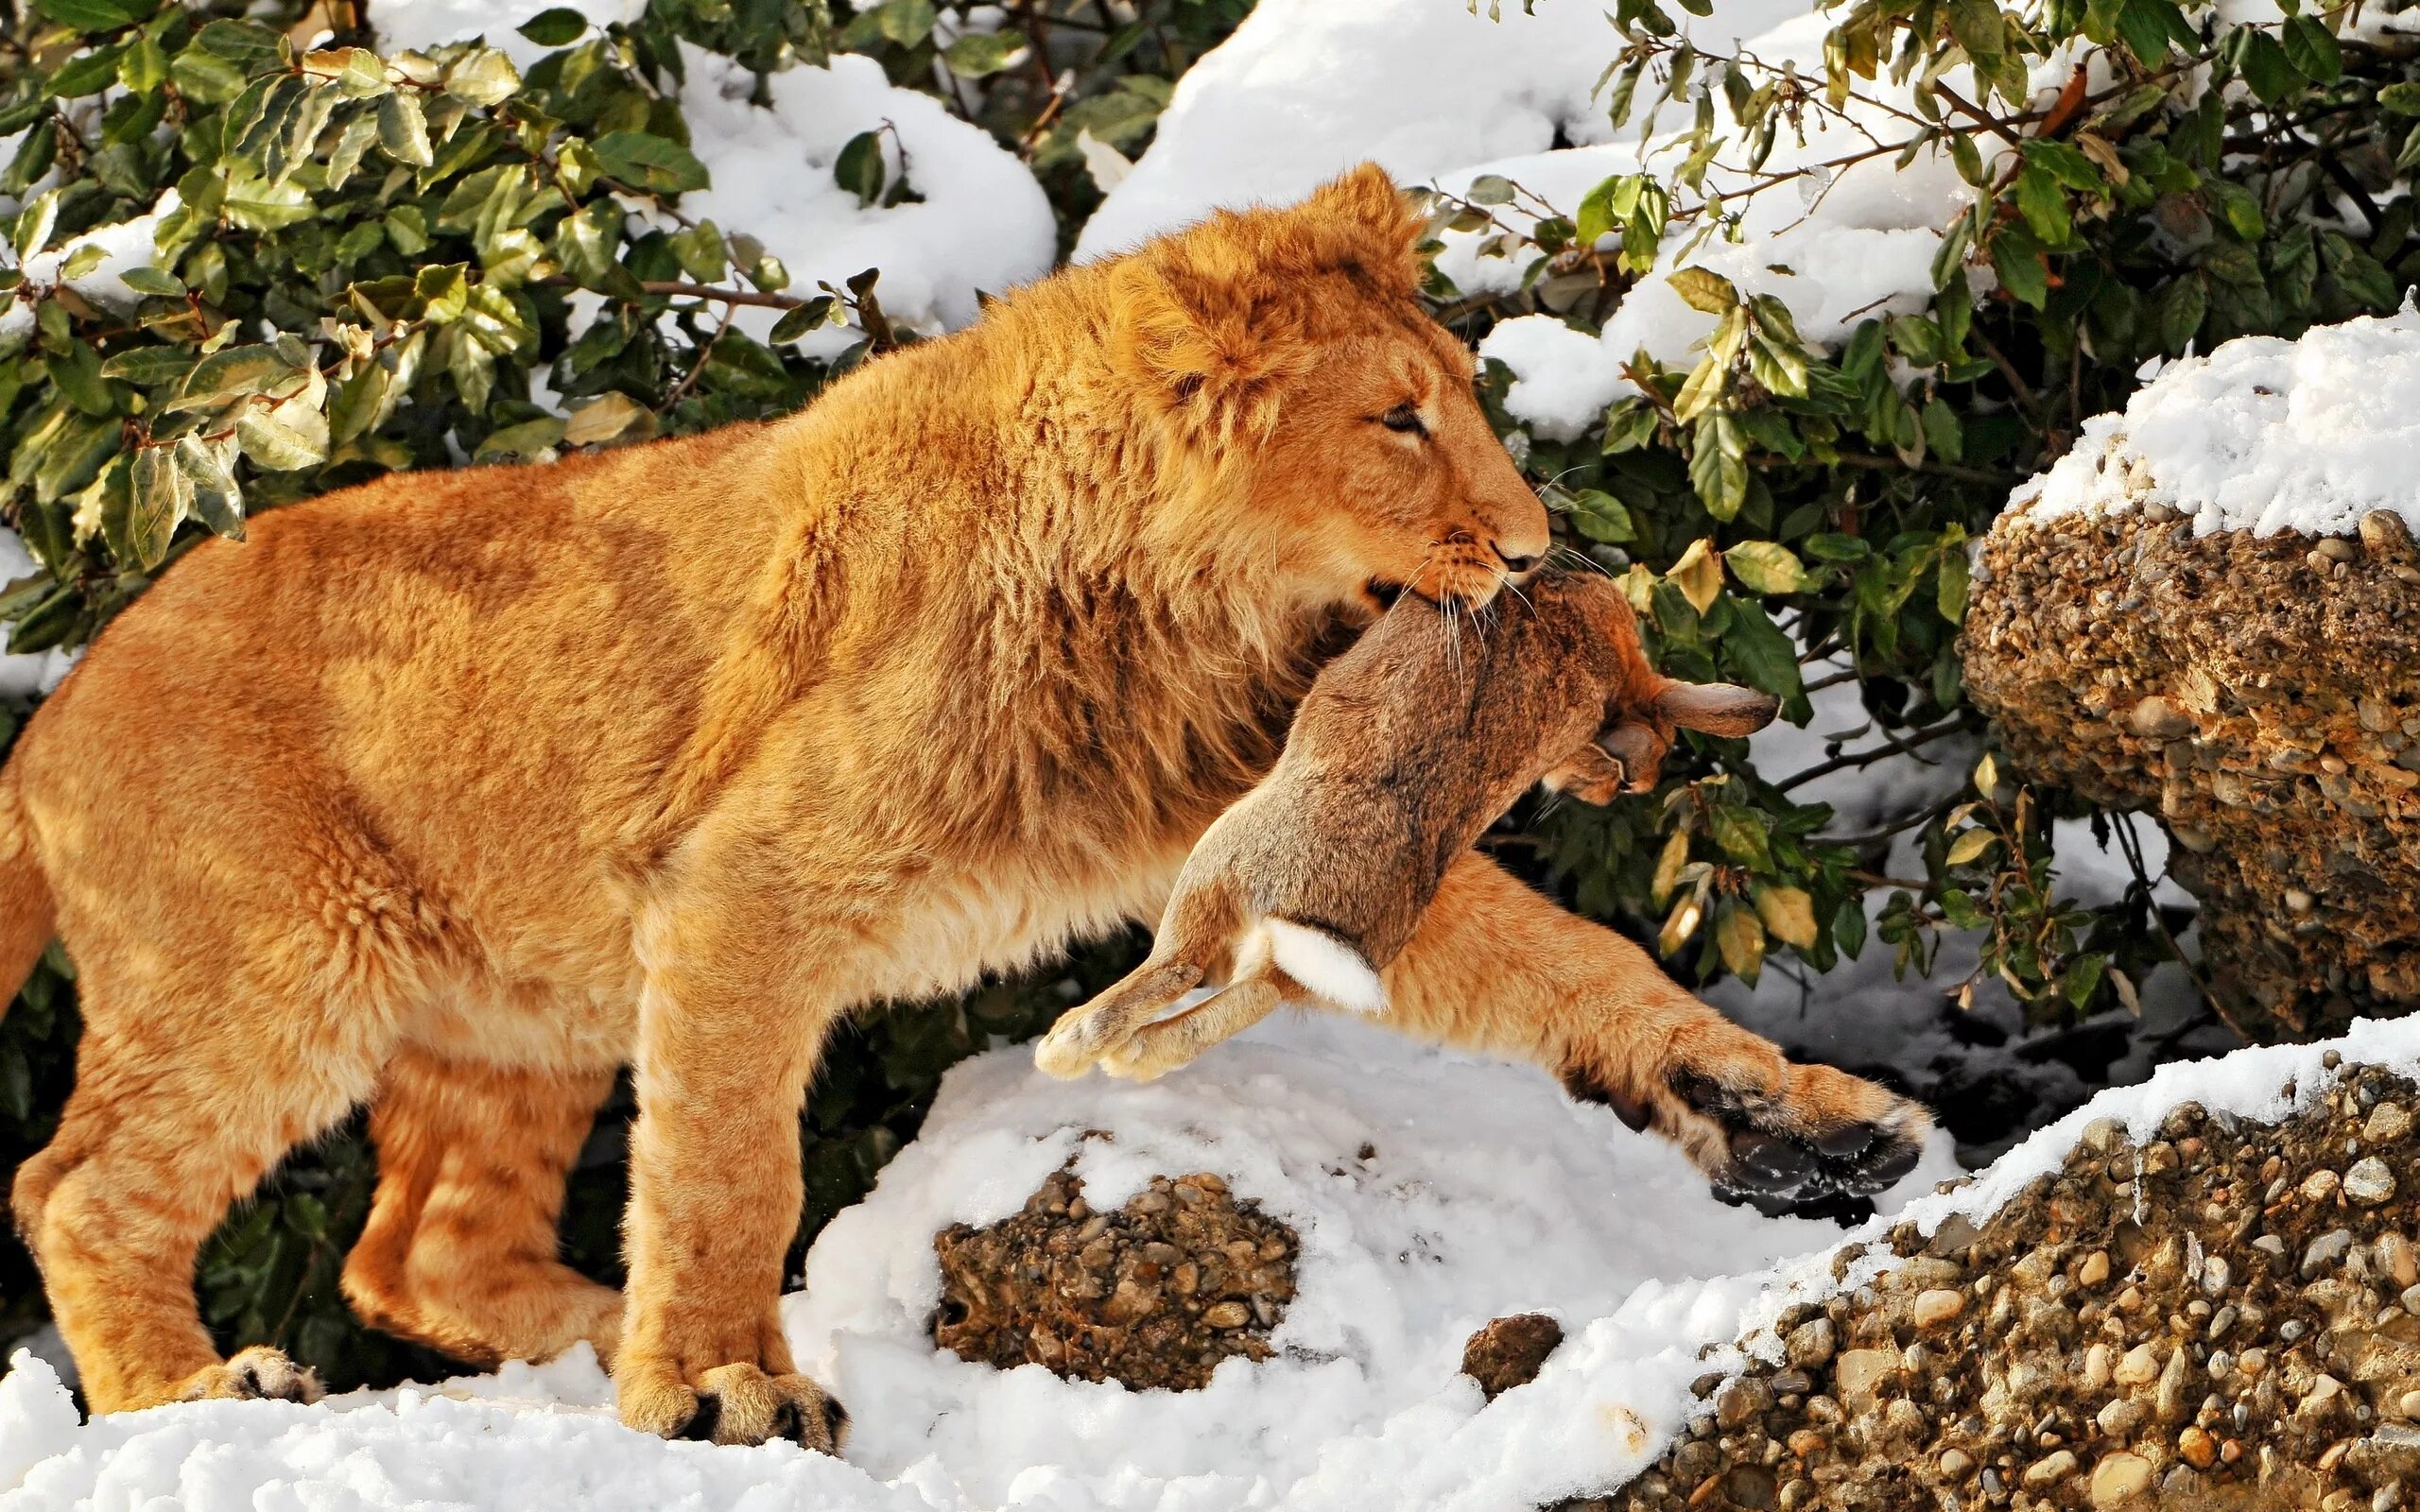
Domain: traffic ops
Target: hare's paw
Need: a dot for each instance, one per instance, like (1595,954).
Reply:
(1082,1036)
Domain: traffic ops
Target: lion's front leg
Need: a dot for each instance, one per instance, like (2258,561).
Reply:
(729,1029)
(1495,967)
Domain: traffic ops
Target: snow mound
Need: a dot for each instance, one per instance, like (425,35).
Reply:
(419,25)
(2263,435)
(1287,102)
(1432,1193)
(982,226)
(1306,89)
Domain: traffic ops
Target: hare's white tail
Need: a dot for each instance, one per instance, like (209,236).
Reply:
(1333,970)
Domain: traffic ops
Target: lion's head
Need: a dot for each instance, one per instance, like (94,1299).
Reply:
(1288,350)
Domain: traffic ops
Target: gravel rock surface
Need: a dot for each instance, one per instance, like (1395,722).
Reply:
(1155,1293)
(2225,1317)
(2261,696)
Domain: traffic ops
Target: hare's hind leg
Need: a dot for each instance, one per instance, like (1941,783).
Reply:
(1083,1034)
(1283,962)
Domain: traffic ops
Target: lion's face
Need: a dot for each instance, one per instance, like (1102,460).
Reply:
(1384,465)
(1290,356)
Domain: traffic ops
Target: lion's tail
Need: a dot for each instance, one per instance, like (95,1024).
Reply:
(27,918)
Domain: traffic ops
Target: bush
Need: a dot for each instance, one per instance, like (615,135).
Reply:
(2180,183)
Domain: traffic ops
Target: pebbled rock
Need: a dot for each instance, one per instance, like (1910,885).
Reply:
(1511,1352)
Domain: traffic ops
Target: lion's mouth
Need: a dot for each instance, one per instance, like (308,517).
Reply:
(1382,593)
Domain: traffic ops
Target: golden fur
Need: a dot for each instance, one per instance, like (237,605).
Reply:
(451,793)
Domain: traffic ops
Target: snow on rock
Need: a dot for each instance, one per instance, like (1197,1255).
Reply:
(2263,435)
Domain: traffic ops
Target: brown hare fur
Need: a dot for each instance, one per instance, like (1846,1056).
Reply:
(452,793)
(1407,746)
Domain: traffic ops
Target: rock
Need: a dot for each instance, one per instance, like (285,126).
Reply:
(2050,1469)
(2159,718)
(2174,1401)
(1510,1351)
(2388,1123)
(2099,1362)
(2119,1479)
(1954,1464)
(2319,1186)
(1741,1402)
(1811,1345)
(2368,1183)
(1080,1293)
(2391,1452)
(2140,1367)
(1938,1306)
(1858,1373)
(2121,1417)
(2197,1448)
(2326,1250)
(2216,1274)
(2095,1270)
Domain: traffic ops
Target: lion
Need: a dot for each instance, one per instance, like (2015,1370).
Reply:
(451,793)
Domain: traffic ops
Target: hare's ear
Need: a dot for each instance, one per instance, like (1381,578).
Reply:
(1716,708)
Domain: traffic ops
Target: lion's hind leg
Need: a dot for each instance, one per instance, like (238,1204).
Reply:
(461,1250)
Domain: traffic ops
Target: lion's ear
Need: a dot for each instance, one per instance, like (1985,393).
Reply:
(1364,226)
(1196,327)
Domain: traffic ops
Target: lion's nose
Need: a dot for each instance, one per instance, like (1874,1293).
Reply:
(1519,564)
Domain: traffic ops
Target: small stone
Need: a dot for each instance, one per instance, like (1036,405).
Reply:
(1811,1345)
(2387,1123)
(2398,1259)
(2140,1367)
(2216,1274)
(2320,1185)
(2369,1182)
(1806,1443)
(2384,530)
(1741,1403)
(2173,1401)
(1508,1352)
(1236,1314)
(2050,1469)
(2156,718)
(1936,1307)
(1750,1489)
(2119,1479)
(2326,1250)
(2198,1448)
(2120,1416)
(2410,1405)
(1858,1373)
(2099,1361)
(2095,1270)
(2105,1136)
(1955,1463)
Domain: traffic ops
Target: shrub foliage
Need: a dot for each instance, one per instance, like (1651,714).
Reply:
(375,263)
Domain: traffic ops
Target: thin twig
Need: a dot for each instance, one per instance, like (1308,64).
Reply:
(1914,740)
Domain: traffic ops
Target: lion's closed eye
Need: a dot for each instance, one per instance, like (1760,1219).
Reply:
(1405,418)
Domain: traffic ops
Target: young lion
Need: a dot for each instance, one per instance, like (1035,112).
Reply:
(450,794)
(1407,746)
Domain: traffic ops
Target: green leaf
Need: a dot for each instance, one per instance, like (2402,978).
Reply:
(35,223)
(2177,312)
(1600,516)
(1704,289)
(1742,834)
(1739,936)
(1952,585)
(859,168)
(1489,189)
(2044,205)
(402,130)
(1606,209)
(811,316)
(145,366)
(530,439)
(234,373)
(153,281)
(906,22)
(2018,262)
(162,496)
(1767,567)
(645,160)
(2312,49)
(282,439)
(554,28)
(77,372)
(215,500)
(1717,469)
(97,15)
(483,75)
(2403,99)
(2264,64)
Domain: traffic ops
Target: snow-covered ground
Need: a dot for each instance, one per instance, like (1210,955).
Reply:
(1432,1193)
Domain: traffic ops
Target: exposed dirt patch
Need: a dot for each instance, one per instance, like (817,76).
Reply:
(1156,1294)
(2262,698)
(2223,1319)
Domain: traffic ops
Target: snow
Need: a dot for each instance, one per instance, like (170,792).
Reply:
(124,243)
(1285,103)
(982,225)
(1483,1192)
(2263,435)
(40,671)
